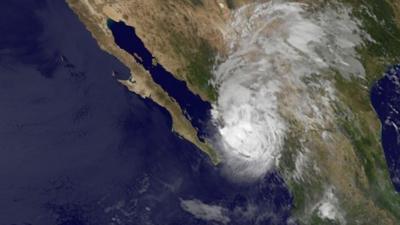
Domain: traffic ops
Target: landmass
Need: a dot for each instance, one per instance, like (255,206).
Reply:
(344,180)
(180,41)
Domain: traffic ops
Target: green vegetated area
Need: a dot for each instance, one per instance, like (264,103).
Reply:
(316,220)
(305,192)
(200,57)
(288,168)
(200,67)
(378,20)
(231,4)
(366,143)
(195,2)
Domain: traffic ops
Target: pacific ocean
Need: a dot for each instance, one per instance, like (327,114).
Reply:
(77,148)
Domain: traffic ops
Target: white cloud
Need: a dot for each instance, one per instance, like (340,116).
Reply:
(328,207)
(204,211)
(274,47)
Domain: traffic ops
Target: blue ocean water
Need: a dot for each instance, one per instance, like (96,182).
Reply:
(385,97)
(197,110)
(76,148)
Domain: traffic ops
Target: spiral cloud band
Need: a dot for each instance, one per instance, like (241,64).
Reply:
(273,48)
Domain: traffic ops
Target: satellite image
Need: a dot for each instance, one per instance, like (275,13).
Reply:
(200,112)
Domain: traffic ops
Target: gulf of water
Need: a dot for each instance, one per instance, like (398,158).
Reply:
(385,97)
(77,148)
(195,109)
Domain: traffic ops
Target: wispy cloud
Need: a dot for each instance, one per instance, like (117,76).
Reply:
(276,70)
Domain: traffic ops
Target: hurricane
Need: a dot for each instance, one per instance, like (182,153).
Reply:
(278,70)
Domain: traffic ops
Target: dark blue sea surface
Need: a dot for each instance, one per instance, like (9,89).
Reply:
(385,97)
(77,148)
(197,110)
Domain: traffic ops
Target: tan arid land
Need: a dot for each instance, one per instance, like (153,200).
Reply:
(187,36)
(189,26)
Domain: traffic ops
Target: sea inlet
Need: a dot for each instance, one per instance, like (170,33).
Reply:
(78,148)
(195,109)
